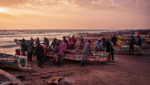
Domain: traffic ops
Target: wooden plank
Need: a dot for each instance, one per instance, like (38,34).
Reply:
(9,76)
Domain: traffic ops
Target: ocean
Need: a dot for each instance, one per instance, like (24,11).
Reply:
(8,46)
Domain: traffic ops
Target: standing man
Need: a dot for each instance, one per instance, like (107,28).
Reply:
(30,52)
(131,45)
(86,51)
(23,47)
(110,50)
(114,40)
(61,52)
(39,52)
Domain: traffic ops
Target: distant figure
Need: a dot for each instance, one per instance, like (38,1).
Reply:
(120,40)
(17,52)
(81,44)
(61,51)
(30,51)
(39,54)
(114,40)
(70,45)
(86,51)
(54,43)
(23,47)
(131,45)
(110,49)
(32,39)
(37,42)
(139,42)
(46,41)
(104,44)
(64,39)
(55,52)
(73,41)
(99,45)
(45,48)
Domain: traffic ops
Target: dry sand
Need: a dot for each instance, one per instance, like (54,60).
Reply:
(127,70)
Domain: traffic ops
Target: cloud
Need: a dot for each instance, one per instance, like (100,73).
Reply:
(87,4)
(12,2)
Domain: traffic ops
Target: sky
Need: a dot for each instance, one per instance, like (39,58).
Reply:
(75,14)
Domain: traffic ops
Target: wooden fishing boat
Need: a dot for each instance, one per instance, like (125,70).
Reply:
(73,55)
(124,49)
(7,60)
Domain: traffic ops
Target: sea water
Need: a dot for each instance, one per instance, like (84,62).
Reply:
(8,46)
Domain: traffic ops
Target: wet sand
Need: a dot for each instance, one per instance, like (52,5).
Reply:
(127,70)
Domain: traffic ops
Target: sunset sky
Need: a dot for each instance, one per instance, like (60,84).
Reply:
(74,14)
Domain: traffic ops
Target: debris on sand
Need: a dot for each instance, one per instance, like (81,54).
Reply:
(54,80)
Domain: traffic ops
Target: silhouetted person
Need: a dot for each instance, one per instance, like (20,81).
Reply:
(23,47)
(131,45)
(39,52)
(114,40)
(37,41)
(30,51)
(139,42)
(82,43)
(54,43)
(46,41)
(110,49)
(104,43)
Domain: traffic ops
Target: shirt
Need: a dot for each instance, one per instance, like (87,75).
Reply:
(87,48)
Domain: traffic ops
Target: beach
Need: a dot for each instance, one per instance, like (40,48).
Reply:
(126,70)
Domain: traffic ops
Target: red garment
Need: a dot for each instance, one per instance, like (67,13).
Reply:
(17,52)
(45,49)
(82,44)
(71,46)
(73,40)
(32,38)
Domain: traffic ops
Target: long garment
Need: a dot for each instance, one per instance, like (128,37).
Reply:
(61,52)
(86,50)
(39,54)
(81,45)
(30,52)
(110,49)
(114,40)
(23,48)
(131,44)
(139,41)
(55,51)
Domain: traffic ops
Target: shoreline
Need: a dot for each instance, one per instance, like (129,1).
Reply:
(121,72)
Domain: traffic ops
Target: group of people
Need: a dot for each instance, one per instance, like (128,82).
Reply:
(58,49)
(117,41)
(105,45)
(35,48)
(135,41)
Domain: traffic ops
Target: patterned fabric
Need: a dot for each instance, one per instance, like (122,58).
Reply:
(12,61)
(101,57)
